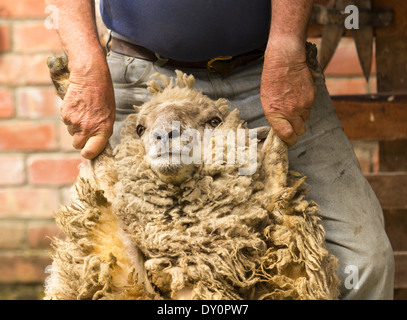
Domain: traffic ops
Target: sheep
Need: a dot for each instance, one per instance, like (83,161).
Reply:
(142,227)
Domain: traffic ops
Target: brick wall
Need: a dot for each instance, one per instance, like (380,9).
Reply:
(38,164)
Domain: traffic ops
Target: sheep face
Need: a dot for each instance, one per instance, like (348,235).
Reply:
(171,130)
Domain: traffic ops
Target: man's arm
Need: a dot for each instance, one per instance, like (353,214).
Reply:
(88,108)
(287,88)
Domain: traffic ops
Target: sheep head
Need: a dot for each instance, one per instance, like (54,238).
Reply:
(173,122)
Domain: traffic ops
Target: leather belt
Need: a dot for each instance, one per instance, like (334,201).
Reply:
(221,65)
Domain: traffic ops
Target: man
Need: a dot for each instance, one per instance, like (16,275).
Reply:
(164,35)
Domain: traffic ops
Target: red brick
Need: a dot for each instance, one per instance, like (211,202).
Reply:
(13,171)
(55,170)
(28,203)
(34,37)
(27,136)
(22,9)
(24,69)
(5,43)
(372,85)
(343,86)
(39,234)
(37,102)
(6,104)
(23,268)
(12,235)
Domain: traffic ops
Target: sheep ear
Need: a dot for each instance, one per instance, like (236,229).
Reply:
(262,134)
(223,106)
(137,108)
(232,120)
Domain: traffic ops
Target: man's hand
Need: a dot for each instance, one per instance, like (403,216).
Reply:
(287,88)
(88,109)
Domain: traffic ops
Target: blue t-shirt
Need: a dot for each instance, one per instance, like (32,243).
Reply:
(190,30)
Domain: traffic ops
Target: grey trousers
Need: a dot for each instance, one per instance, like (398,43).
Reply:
(352,216)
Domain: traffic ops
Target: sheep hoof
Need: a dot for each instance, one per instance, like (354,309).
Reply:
(58,67)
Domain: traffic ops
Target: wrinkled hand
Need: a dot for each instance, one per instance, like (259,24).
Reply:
(88,110)
(287,89)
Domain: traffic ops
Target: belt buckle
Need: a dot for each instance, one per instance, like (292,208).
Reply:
(210,63)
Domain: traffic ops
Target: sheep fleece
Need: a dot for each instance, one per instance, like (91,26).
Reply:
(224,235)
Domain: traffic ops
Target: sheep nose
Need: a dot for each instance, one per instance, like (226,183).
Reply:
(165,136)
(173,134)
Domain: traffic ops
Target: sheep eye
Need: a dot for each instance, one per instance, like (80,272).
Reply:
(140,130)
(215,122)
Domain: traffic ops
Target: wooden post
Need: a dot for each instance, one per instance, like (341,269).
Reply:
(391,66)
(383,118)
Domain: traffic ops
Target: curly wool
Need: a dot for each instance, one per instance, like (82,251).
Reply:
(222,234)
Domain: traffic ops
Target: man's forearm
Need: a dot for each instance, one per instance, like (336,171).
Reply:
(287,90)
(88,109)
(78,33)
(290,19)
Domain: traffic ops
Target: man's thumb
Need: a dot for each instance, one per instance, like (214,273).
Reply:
(94,146)
(283,128)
